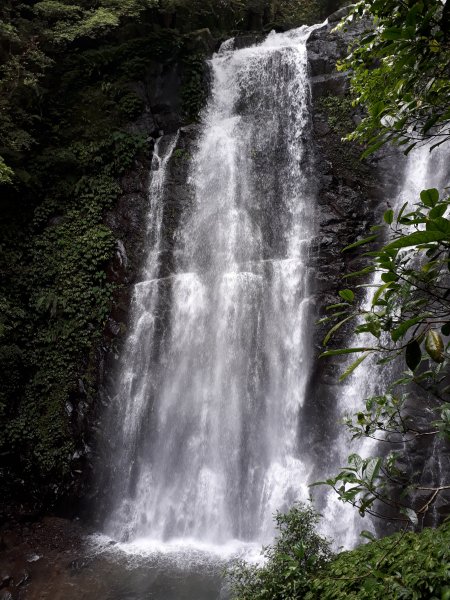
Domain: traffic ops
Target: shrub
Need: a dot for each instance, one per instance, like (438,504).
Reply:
(297,553)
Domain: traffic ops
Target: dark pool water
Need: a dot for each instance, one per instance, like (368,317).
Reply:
(108,571)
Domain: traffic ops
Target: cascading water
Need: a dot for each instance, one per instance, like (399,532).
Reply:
(207,419)
(422,170)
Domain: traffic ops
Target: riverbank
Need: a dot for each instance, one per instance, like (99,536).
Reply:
(58,559)
(36,552)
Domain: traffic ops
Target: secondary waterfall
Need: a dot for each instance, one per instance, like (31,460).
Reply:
(422,170)
(207,418)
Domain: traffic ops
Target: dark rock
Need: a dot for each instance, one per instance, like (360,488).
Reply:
(203,39)
(24,579)
(79,564)
(336,84)
(322,128)
(350,199)
(247,40)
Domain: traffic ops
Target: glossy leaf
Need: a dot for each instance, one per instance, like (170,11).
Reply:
(445,329)
(366,240)
(417,238)
(435,346)
(344,351)
(429,197)
(333,330)
(400,331)
(347,295)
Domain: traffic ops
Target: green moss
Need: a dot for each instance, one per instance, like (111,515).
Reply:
(180,154)
(194,90)
(339,112)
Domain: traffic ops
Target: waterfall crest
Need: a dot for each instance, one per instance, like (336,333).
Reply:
(207,420)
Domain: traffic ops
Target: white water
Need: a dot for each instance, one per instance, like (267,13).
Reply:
(207,422)
(207,419)
(423,170)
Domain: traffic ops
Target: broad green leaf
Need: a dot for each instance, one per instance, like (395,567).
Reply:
(326,339)
(419,237)
(393,33)
(373,468)
(366,240)
(439,224)
(429,197)
(373,148)
(380,291)
(435,346)
(376,109)
(402,210)
(400,331)
(389,276)
(347,295)
(345,351)
(389,216)
(339,305)
(438,211)
(364,271)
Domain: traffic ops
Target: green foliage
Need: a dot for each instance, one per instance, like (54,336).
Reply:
(6,173)
(406,315)
(55,250)
(63,22)
(402,566)
(300,565)
(194,89)
(297,553)
(400,72)
(226,16)
(339,113)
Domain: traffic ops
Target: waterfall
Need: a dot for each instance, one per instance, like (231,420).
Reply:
(421,170)
(206,424)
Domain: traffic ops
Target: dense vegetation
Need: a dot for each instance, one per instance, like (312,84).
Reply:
(301,565)
(401,75)
(68,94)
(66,103)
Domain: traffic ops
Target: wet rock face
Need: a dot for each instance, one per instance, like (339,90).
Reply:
(351,197)
(351,193)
